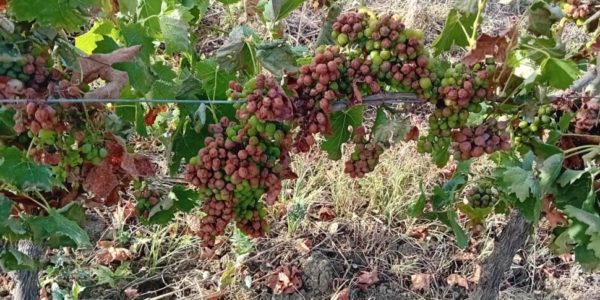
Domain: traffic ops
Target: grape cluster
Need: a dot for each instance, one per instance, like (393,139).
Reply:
(365,156)
(21,70)
(218,215)
(36,116)
(486,138)
(482,196)
(526,128)
(267,100)
(349,27)
(461,88)
(578,9)
(316,88)
(146,198)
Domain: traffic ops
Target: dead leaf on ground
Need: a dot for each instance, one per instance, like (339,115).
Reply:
(367,279)
(458,280)
(3,4)
(326,214)
(131,293)
(128,211)
(343,294)
(108,253)
(552,214)
(99,66)
(101,180)
(419,233)
(284,280)
(421,281)
(476,274)
(490,46)
(412,135)
(303,246)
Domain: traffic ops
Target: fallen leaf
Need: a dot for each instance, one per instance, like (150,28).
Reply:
(412,135)
(366,279)
(99,66)
(101,180)
(128,211)
(284,280)
(476,274)
(303,246)
(108,253)
(131,293)
(343,294)
(3,4)
(552,214)
(458,280)
(421,281)
(326,214)
(419,233)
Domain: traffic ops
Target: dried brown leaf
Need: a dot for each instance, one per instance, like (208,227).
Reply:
(419,233)
(490,46)
(366,279)
(552,214)
(284,280)
(303,246)
(131,293)
(108,253)
(476,274)
(412,135)
(101,181)
(458,280)
(326,214)
(421,281)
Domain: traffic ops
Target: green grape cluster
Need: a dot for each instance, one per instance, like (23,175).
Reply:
(526,128)
(365,156)
(482,196)
(20,70)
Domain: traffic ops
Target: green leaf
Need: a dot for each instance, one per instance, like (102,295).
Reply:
(530,208)
(69,15)
(136,34)
(521,183)
(278,58)
(163,72)
(340,121)
(238,52)
(550,170)
(440,153)
(417,209)
(559,73)
(184,198)
(134,114)
(594,244)
(458,29)
(5,209)
(162,90)
(22,172)
(215,79)
(389,128)
(592,220)
(15,260)
(87,42)
(541,17)
(148,8)
(128,6)
(277,10)
(186,143)
(7,122)
(325,37)
(175,30)
(57,231)
(461,237)
(586,258)
(74,212)
(574,190)
(474,214)
(227,2)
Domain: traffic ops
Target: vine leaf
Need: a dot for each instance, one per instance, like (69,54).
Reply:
(559,73)
(278,57)
(175,30)
(53,13)
(522,183)
(179,199)
(277,10)
(57,231)
(550,170)
(5,209)
(325,37)
(98,66)
(458,30)
(489,46)
(101,180)
(215,80)
(389,128)
(20,171)
(7,122)
(440,153)
(340,122)
(238,52)
(541,17)
(13,259)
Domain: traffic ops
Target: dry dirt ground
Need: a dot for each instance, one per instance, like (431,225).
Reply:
(331,237)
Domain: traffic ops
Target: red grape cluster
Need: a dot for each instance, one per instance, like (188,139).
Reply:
(146,198)
(579,10)
(486,138)
(349,27)
(460,87)
(365,157)
(218,215)
(316,88)
(35,116)
(267,100)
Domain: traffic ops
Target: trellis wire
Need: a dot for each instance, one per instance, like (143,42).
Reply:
(378,99)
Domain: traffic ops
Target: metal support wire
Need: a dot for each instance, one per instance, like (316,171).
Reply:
(372,100)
